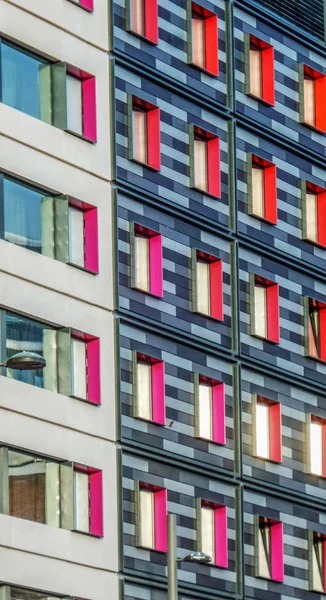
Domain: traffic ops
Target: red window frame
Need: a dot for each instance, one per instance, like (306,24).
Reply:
(160,515)
(320,308)
(216,283)
(275,428)
(321,212)
(150,21)
(90,233)
(158,387)
(267,70)
(92,365)
(213,161)
(272,308)
(220,558)
(276,549)
(155,259)
(270,188)
(211,38)
(218,408)
(320,97)
(153,140)
(95,498)
(88,82)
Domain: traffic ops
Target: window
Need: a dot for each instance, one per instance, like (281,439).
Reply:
(148,271)
(205,161)
(213,533)
(265,309)
(145,127)
(268,429)
(18,593)
(313,98)
(73,358)
(208,297)
(87,4)
(270,549)
(316,329)
(262,184)
(314,214)
(144,19)
(317,549)
(210,410)
(261,70)
(59,227)
(88,500)
(56,93)
(317,448)
(204,37)
(152,513)
(150,392)
(51,492)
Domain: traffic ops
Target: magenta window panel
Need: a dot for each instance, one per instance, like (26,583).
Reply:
(218,416)
(221,537)
(158,393)
(160,517)
(156,265)
(89,108)
(91,240)
(277,553)
(88,4)
(93,371)
(96,503)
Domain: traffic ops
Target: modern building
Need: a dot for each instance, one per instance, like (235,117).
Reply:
(163,246)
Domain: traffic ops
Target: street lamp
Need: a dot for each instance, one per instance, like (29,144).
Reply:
(198,557)
(25,361)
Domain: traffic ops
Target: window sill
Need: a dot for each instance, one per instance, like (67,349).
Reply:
(85,400)
(147,293)
(148,420)
(208,441)
(269,460)
(264,339)
(205,192)
(260,100)
(79,135)
(197,312)
(140,36)
(142,164)
(313,128)
(319,360)
(313,243)
(88,534)
(203,69)
(263,219)
(149,549)
(71,264)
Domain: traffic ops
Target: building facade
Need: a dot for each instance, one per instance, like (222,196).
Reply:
(163,237)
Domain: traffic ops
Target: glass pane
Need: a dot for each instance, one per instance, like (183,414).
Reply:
(256,72)
(27,487)
(258,191)
(142,263)
(76,237)
(21,80)
(316,449)
(74,104)
(260,311)
(22,216)
(79,369)
(25,334)
(264,548)
(139,135)
(318,565)
(138,17)
(205,411)
(144,391)
(262,430)
(198,41)
(146,506)
(200,150)
(203,288)
(311,215)
(82,515)
(207,531)
(309,102)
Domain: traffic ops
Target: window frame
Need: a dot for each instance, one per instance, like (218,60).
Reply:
(87,5)
(269,188)
(220,558)
(153,132)
(217,417)
(311,418)
(213,160)
(93,383)
(211,50)
(272,308)
(95,489)
(321,341)
(274,429)
(159,517)
(315,537)
(215,284)
(307,72)
(157,399)
(310,188)
(150,21)
(155,266)
(267,69)
(275,559)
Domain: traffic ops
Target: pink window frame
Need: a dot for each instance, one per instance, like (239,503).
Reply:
(160,516)
(218,408)
(275,428)
(158,387)
(220,533)
(155,259)
(272,308)
(95,499)
(216,283)
(92,365)
(213,160)
(153,141)
(88,82)
(87,4)
(277,551)
(90,234)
